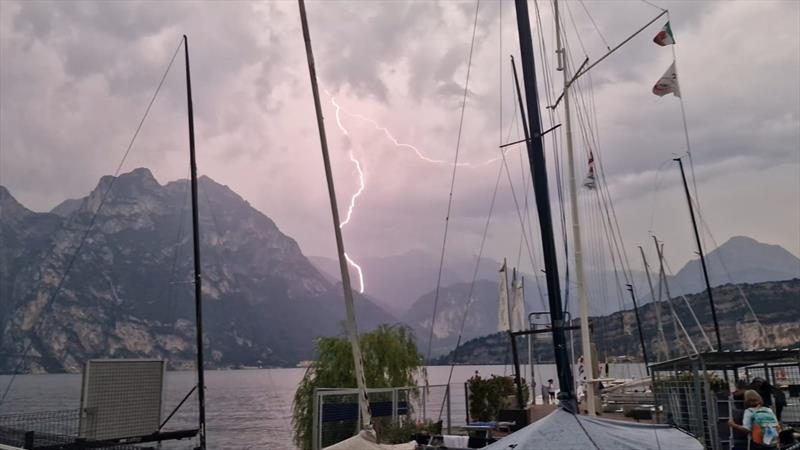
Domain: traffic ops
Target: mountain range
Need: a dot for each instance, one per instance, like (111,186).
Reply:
(128,292)
(740,259)
(616,337)
(126,251)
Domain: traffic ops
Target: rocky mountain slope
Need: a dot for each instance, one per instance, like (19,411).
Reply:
(397,282)
(776,303)
(740,258)
(128,293)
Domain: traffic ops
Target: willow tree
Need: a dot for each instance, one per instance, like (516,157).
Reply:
(390,358)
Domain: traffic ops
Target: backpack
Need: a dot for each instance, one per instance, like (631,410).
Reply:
(765,426)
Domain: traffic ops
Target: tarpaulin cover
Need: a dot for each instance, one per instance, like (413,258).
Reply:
(365,440)
(564,430)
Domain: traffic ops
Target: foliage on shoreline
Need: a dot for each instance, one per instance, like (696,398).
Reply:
(391,359)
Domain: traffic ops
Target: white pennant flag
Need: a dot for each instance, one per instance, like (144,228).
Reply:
(668,83)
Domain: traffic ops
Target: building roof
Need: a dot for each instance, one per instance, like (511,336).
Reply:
(729,360)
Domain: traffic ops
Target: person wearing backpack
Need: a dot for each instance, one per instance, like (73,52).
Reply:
(759,421)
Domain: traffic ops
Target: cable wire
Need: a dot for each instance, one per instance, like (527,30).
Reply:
(48,305)
(452,182)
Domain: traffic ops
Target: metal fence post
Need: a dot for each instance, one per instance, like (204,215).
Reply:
(449,415)
(394,405)
(315,424)
(424,403)
(28,440)
(466,402)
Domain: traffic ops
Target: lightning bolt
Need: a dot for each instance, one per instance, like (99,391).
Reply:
(357,163)
(397,143)
(361,187)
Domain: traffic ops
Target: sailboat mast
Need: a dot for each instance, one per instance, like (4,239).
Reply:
(700,252)
(540,188)
(639,327)
(352,329)
(198,287)
(657,303)
(577,247)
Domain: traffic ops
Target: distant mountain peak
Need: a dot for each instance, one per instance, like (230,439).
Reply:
(741,259)
(9,206)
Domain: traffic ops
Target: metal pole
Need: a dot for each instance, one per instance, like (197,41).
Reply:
(663,281)
(702,258)
(639,326)
(449,410)
(517,378)
(532,382)
(657,303)
(525,130)
(352,328)
(539,177)
(580,279)
(198,286)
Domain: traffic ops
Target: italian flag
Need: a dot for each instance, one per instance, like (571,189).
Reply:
(664,37)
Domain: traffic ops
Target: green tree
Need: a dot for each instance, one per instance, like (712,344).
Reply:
(390,358)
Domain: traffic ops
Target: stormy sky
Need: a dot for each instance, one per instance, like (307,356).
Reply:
(75,78)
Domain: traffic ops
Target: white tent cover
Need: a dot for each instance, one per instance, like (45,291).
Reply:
(564,430)
(365,440)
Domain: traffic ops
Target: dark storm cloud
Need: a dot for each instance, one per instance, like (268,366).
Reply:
(75,78)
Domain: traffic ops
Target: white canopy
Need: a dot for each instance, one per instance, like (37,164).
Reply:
(564,430)
(365,440)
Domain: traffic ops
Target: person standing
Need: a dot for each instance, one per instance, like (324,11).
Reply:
(759,421)
(551,390)
(545,394)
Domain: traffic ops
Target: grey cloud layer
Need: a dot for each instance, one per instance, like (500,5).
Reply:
(76,76)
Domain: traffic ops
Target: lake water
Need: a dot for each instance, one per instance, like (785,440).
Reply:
(246,409)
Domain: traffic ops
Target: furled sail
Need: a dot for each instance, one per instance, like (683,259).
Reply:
(517,305)
(502,301)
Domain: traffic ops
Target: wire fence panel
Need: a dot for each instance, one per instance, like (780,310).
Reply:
(45,429)
(39,429)
(338,417)
(684,400)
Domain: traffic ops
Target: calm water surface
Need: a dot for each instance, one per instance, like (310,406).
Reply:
(246,409)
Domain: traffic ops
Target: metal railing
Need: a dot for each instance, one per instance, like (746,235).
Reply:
(338,417)
(685,399)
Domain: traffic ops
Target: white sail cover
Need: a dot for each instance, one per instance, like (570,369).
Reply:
(564,430)
(502,301)
(517,307)
(365,440)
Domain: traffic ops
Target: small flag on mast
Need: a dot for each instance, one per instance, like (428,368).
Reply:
(589,182)
(664,37)
(668,83)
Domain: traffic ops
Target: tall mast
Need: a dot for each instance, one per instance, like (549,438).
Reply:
(540,188)
(198,287)
(702,258)
(657,303)
(663,281)
(352,329)
(639,327)
(580,278)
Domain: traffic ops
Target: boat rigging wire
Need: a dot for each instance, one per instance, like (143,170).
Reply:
(765,337)
(51,300)
(691,310)
(452,183)
(593,23)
